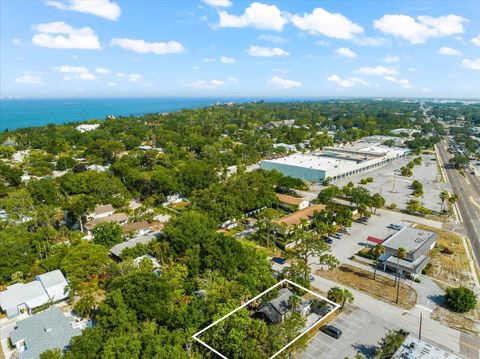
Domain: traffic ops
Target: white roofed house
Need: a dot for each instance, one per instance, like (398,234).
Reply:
(48,287)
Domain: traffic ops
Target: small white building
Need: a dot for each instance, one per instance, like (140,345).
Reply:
(86,127)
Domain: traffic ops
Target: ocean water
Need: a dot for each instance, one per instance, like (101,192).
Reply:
(27,113)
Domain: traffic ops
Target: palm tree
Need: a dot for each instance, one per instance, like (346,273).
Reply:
(294,302)
(401,253)
(339,295)
(444,196)
(378,250)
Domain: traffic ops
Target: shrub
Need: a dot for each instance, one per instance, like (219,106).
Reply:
(460,299)
(392,206)
(417,280)
(427,268)
(447,250)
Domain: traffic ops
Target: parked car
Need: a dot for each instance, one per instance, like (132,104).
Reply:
(363,219)
(311,278)
(332,331)
(396,227)
(337,235)
(327,239)
(344,230)
(279,260)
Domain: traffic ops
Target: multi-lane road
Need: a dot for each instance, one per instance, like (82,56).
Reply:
(467,189)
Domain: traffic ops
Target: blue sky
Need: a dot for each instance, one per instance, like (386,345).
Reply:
(114,48)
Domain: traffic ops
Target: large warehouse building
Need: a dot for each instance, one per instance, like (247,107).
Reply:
(334,162)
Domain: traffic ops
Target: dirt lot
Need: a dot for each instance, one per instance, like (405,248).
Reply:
(452,269)
(381,288)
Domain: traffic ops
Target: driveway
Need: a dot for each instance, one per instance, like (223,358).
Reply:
(361,333)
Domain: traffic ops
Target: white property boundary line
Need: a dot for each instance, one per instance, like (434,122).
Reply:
(335,307)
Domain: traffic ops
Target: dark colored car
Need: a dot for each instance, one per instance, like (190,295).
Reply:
(279,260)
(337,235)
(332,331)
(327,239)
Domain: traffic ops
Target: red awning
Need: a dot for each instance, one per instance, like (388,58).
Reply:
(375,240)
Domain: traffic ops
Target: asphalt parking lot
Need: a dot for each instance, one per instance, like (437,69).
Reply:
(361,333)
(400,193)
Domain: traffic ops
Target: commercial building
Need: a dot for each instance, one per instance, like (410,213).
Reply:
(413,348)
(48,287)
(334,162)
(49,329)
(417,244)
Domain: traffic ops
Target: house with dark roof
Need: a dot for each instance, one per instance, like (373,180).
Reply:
(49,329)
(279,308)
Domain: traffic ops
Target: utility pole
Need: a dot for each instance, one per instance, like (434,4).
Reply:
(420,328)
(394,176)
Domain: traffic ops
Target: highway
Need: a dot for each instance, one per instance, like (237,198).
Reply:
(468,191)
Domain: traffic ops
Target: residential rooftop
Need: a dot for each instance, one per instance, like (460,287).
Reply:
(117,249)
(46,330)
(116,217)
(295,218)
(285,198)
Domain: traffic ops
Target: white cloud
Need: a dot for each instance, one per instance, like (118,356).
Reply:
(112,84)
(59,35)
(390,59)
(208,85)
(369,41)
(426,89)
(411,69)
(378,70)
(471,64)
(130,77)
(29,79)
(257,15)
(343,51)
(322,22)
(347,82)
(322,42)
(16,41)
(80,72)
(418,30)
(87,76)
(232,79)
(280,83)
(266,51)
(196,67)
(333,78)
(102,70)
(103,8)
(272,38)
(227,60)
(143,47)
(218,3)
(445,50)
(476,40)
(402,82)
(71,69)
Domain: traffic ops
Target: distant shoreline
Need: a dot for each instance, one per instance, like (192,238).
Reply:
(23,113)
